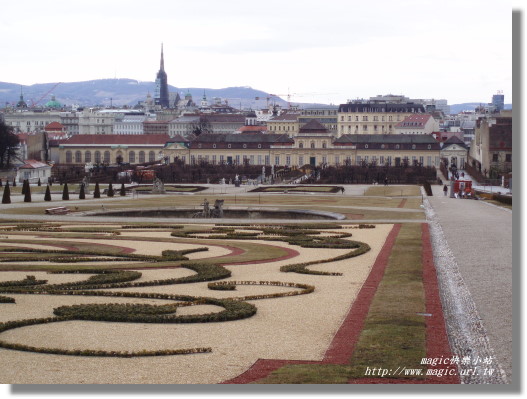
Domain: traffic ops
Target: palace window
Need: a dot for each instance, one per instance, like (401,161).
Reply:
(68,157)
(87,156)
(301,144)
(131,157)
(97,157)
(141,157)
(151,156)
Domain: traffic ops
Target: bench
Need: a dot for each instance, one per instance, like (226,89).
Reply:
(60,210)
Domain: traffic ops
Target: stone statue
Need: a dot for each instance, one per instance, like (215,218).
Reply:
(158,187)
(217,212)
(86,182)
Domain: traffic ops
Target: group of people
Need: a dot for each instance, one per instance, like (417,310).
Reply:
(463,192)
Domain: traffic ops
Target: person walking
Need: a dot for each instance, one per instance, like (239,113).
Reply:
(445,189)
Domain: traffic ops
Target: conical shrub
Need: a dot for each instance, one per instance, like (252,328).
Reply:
(110,190)
(6,198)
(14,182)
(65,193)
(24,187)
(27,193)
(82,195)
(47,196)
(39,182)
(123,190)
(97,191)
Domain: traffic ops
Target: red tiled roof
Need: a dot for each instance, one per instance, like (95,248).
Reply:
(249,129)
(54,126)
(415,120)
(33,164)
(118,139)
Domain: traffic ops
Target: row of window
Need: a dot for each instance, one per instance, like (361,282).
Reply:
(77,157)
(365,118)
(366,128)
(287,160)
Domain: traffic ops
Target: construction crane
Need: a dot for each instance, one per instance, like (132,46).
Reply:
(288,95)
(34,104)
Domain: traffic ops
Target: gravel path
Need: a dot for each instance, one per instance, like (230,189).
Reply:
(473,254)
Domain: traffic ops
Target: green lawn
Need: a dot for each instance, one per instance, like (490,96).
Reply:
(393,334)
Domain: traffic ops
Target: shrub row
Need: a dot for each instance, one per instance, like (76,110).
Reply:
(153,226)
(302,267)
(6,299)
(28,281)
(101,353)
(233,310)
(304,289)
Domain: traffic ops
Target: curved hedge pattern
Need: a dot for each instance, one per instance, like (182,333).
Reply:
(102,282)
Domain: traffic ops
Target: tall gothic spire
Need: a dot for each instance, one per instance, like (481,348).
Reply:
(161,89)
(162,65)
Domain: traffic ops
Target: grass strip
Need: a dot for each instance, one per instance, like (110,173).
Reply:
(393,335)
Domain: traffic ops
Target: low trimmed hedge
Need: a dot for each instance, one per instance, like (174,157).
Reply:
(6,299)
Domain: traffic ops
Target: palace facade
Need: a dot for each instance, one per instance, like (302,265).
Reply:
(313,145)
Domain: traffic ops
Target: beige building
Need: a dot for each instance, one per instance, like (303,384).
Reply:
(285,123)
(116,148)
(313,145)
(360,117)
(455,151)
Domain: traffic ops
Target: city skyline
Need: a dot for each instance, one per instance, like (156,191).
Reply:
(327,53)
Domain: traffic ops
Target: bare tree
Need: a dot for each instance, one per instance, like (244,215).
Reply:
(8,145)
(202,126)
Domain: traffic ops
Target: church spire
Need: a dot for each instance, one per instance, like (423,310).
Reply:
(161,95)
(162,65)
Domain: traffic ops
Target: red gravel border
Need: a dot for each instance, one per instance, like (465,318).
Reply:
(344,341)
(402,203)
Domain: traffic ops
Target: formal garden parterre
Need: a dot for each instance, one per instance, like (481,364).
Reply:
(209,301)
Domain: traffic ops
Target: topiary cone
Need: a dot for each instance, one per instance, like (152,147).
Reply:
(6,198)
(65,193)
(27,193)
(47,196)
(110,190)
(123,190)
(97,191)
(82,195)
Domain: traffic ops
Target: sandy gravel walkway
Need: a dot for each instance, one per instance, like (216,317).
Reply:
(299,327)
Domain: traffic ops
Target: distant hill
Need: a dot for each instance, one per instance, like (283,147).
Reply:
(121,92)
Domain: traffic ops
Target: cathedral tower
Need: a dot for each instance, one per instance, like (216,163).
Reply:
(161,89)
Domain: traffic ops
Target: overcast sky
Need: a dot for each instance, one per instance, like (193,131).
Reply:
(323,50)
